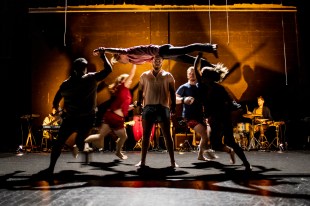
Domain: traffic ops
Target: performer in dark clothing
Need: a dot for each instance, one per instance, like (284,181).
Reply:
(79,94)
(218,105)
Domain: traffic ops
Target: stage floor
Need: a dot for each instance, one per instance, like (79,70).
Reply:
(278,178)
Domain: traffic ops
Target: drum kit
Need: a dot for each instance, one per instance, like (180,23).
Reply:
(258,125)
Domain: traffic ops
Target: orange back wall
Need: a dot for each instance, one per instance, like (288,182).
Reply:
(260,48)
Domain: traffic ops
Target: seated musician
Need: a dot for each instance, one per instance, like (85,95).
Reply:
(53,120)
(263,119)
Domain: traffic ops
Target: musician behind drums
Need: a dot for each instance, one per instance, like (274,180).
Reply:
(263,119)
(53,119)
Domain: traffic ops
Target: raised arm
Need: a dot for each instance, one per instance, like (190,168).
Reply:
(57,99)
(107,67)
(197,66)
(131,75)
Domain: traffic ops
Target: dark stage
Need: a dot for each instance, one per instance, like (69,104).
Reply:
(278,178)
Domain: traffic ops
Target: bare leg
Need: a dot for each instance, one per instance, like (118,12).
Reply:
(97,140)
(122,136)
(231,153)
(204,144)
(167,50)
(147,129)
(188,59)
(165,126)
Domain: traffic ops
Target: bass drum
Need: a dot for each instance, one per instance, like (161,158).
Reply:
(241,140)
(243,127)
(138,129)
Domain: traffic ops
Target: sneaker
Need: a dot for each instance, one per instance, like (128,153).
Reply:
(248,168)
(75,151)
(211,154)
(140,164)
(46,174)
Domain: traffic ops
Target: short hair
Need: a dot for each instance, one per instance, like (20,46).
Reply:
(260,97)
(79,64)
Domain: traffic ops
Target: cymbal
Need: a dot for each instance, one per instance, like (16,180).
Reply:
(252,115)
(261,120)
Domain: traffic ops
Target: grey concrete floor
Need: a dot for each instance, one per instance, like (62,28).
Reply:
(278,178)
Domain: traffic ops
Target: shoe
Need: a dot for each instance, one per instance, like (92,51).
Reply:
(248,168)
(232,156)
(46,174)
(211,154)
(140,164)
(75,151)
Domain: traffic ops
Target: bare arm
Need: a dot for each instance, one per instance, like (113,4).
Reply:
(96,52)
(107,67)
(139,98)
(131,75)
(197,66)
(179,99)
(172,97)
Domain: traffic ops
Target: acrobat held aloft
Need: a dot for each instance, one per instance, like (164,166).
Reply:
(146,53)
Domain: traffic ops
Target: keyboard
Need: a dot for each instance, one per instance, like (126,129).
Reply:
(51,127)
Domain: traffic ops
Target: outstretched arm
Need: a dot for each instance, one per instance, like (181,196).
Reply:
(97,51)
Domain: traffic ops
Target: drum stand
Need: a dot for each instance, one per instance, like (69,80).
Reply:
(276,141)
(253,143)
(262,142)
(138,145)
(30,142)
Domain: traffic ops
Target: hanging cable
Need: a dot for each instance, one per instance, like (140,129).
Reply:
(227,25)
(210,22)
(65,30)
(297,40)
(284,50)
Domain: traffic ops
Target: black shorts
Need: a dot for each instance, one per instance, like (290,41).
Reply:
(156,113)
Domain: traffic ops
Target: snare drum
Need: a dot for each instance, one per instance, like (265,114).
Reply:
(243,127)
(260,127)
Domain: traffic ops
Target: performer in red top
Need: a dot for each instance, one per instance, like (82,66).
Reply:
(146,53)
(114,118)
